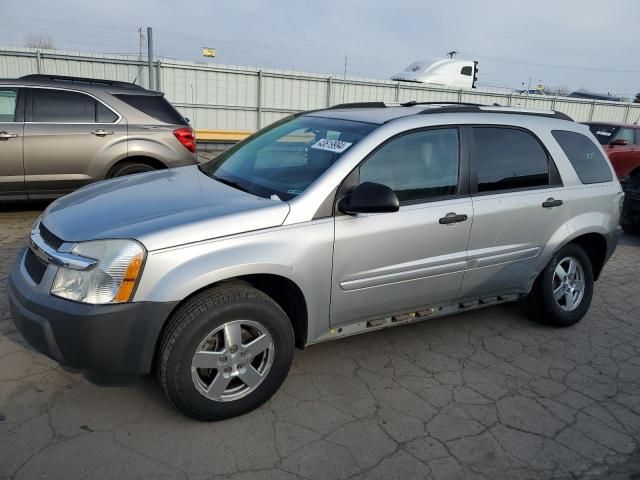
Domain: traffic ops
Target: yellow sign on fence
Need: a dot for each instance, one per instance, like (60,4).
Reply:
(208,52)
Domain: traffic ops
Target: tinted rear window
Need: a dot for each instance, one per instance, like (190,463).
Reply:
(155,106)
(62,106)
(585,156)
(507,159)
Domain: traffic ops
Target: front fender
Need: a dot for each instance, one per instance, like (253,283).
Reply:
(301,253)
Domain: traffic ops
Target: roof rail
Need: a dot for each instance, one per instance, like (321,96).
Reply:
(358,105)
(414,102)
(91,81)
(453,108)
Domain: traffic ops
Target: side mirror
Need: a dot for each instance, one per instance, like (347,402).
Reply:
(620,142)
(369,197)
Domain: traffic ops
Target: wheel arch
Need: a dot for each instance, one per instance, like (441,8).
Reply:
(147,160)
(595,245)
(284,291)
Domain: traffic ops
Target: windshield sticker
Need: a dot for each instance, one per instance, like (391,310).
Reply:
(335,146)
(602,132)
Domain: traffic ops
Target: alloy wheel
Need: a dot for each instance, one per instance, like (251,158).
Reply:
(232,360)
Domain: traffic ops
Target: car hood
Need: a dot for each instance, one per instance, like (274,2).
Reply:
(161,209)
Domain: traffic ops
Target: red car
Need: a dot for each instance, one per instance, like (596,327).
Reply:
(622,144)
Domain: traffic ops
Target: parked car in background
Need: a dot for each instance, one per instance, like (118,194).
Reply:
(322,225)
(622,144)
(60,133)
(605,97)
(630,217)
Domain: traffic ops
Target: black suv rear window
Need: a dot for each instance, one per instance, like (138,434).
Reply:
(584,155)
(155,106)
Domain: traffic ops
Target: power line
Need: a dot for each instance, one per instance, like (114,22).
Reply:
(571,67)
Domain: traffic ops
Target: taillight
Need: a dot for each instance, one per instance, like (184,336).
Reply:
(186,138)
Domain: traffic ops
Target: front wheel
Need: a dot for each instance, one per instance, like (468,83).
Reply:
(562,293)
(225,352)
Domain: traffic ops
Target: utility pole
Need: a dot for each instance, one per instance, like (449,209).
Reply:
(344,79)
(150,54)
(452,53)
(140,47)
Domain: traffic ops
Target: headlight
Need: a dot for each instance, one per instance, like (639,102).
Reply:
(112,280)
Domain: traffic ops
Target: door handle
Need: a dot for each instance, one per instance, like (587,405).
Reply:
(551,202)
(101,133)
(452,217)
(7,136)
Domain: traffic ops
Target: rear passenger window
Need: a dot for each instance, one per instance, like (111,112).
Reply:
(62,107)
(584,155)
(417,166)
(104,114)
(507,159)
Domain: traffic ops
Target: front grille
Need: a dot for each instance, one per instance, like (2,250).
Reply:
(49,237)
(34,266)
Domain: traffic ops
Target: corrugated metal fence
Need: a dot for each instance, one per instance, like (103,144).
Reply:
(224,97)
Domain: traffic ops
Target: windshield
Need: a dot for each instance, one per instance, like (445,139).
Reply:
(287,157)
(603,133)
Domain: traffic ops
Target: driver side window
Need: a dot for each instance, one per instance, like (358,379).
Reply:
(417,166)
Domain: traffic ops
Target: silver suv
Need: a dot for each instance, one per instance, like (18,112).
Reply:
(61,133)
(325,224)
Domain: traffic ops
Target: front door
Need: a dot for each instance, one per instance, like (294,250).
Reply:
(519,206)
(393,262)
(69,138)
(11,130)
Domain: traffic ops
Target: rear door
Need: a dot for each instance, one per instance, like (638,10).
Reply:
(519,204)
(70,139)
(11,138)
(388,263)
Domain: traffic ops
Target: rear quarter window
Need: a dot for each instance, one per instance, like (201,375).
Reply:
(155,106)
(585,156)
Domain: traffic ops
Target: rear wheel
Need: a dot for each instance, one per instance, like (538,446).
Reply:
(562,293)
(129,168)
(226,351)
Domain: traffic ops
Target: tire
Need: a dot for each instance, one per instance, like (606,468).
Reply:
(224,390)
(562,312)
(129,168)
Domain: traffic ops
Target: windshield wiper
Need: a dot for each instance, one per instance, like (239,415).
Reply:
(231,183)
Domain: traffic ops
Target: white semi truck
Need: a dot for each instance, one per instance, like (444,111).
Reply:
(448,73)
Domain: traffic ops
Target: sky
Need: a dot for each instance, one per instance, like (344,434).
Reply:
(575,44)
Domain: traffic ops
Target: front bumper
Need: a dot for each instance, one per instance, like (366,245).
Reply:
(100,339)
